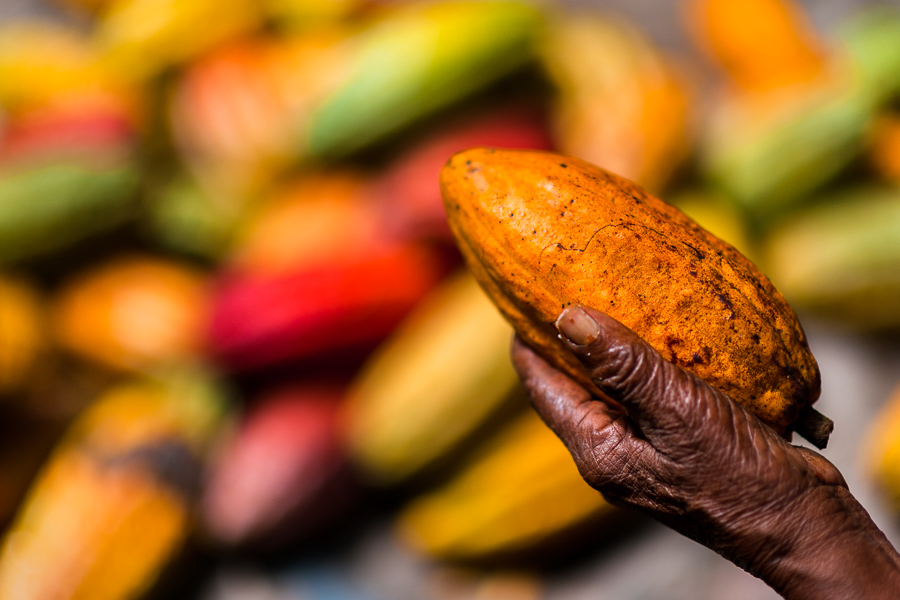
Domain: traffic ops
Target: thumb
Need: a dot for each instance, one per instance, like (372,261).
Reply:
(657,394)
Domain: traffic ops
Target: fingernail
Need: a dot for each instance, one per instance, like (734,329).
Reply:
(578,326)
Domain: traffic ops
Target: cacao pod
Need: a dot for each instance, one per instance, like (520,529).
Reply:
(416,60)
(763,45)
(841,259)
(884,152)
(112,505)
(406,191)
(262,320)
(283,474)
(542,231)
(134,313)
(66,172)
(882,451)
(453,350)
(23,336)
(520,491)
(138,39)
(619,101)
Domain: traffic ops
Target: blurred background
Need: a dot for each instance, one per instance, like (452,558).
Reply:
(240,357)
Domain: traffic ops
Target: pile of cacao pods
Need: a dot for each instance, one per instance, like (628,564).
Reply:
(232,316)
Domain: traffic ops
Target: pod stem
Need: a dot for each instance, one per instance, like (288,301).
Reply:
(813,426)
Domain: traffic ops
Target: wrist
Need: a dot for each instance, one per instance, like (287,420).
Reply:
(829,547)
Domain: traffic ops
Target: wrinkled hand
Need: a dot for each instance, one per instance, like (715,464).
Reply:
(694,459)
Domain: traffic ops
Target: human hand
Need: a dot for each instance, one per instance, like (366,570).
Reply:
(682,452)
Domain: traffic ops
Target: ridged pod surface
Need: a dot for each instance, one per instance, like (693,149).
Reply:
(454,351)
(542,231)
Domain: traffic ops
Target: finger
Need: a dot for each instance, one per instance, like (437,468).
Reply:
(822,467)
(560,401)
(609,455)
(656,393)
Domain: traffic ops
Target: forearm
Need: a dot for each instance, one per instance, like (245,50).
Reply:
(837,552)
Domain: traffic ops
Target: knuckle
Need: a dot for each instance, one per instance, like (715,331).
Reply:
(605,458)
(629,371)
(821,468)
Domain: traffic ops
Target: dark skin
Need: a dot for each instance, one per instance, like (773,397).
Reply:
(689,456)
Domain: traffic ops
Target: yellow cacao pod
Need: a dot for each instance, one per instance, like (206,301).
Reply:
(442,375)
(883,449)
(522,490)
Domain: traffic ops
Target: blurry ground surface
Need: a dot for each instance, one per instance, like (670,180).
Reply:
(652,563)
